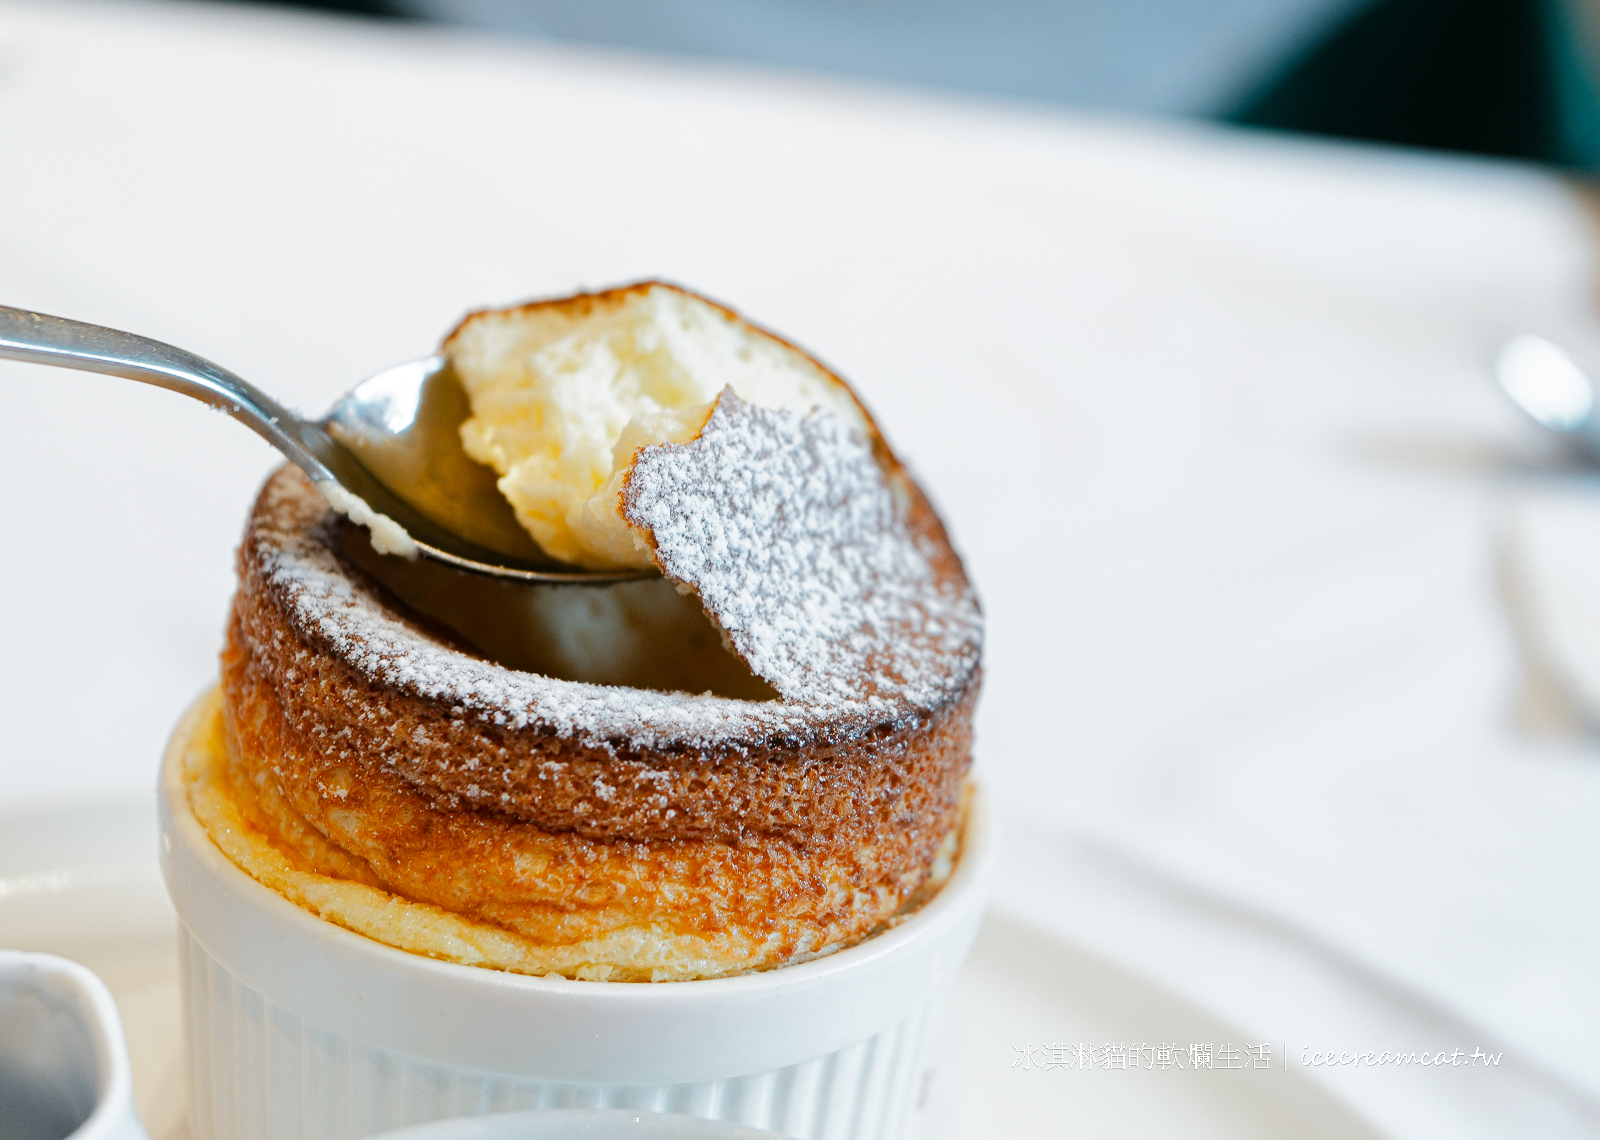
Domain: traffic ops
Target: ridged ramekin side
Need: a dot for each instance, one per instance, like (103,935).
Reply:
(259,1071)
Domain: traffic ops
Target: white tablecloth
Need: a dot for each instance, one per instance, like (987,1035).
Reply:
(1207,413)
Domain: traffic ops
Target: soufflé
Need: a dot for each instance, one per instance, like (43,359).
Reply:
(753,756)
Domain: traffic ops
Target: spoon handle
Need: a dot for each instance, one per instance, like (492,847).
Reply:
(36,338)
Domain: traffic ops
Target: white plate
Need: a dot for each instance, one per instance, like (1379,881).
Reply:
(82,881)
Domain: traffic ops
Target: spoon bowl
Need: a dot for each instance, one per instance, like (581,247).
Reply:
(387,455)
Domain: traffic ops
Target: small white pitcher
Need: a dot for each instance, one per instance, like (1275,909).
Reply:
(63,1062)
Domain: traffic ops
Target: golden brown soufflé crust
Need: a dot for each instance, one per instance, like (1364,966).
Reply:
(368,747)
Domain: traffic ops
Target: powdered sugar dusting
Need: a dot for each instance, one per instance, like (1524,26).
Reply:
(354,624)
(790,532)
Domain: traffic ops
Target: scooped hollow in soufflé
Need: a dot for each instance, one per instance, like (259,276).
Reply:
(370,764)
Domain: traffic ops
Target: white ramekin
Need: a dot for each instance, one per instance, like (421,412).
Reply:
(300,1028)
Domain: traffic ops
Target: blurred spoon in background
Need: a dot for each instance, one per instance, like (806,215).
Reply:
(1545,382)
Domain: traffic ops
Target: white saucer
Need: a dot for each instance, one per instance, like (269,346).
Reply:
(82,881)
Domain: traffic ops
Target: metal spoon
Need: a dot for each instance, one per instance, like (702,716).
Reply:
(1547,384)
(387,453)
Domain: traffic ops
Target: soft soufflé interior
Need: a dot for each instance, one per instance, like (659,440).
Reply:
(563,397)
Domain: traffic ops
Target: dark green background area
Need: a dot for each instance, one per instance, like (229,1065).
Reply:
(1494,77)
